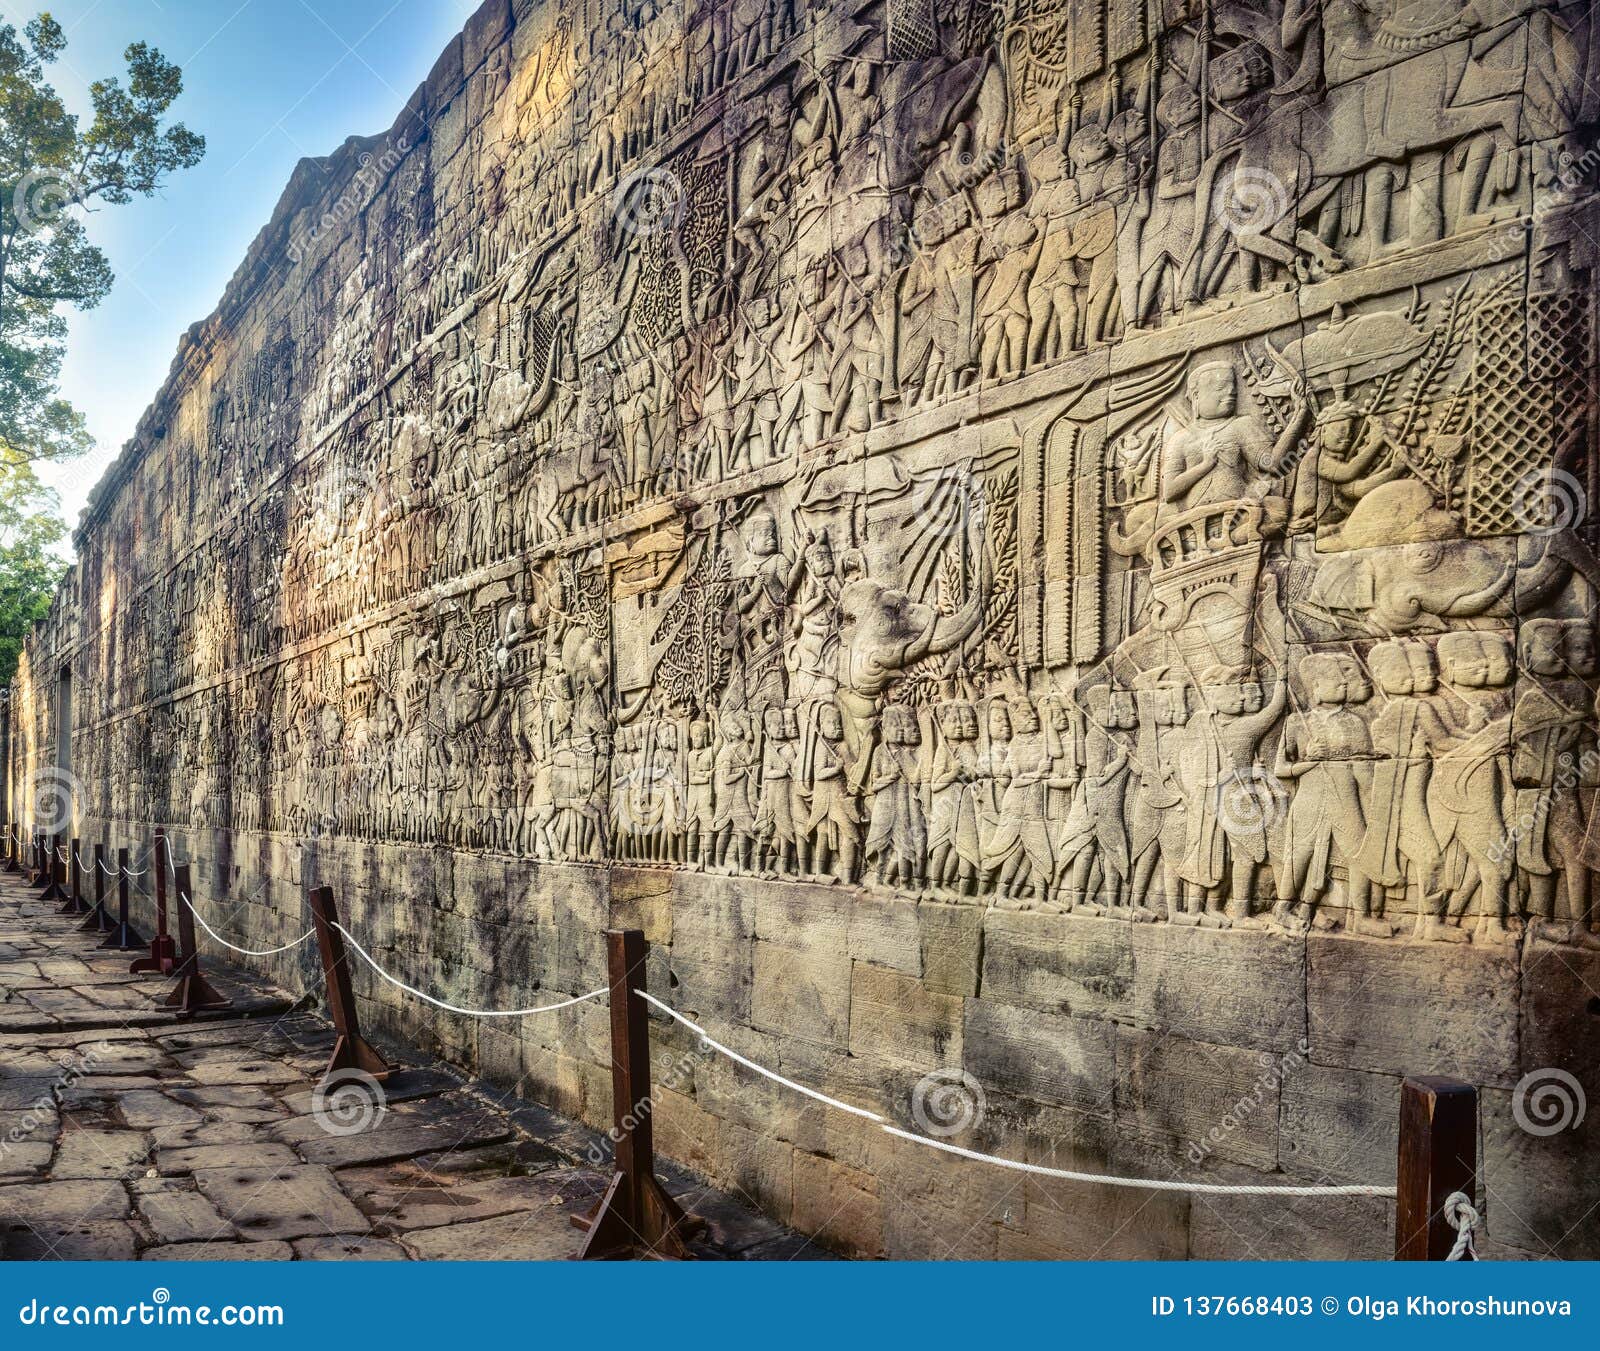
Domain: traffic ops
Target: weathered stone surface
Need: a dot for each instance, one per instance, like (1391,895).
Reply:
(894,1018)
(59,1204)
(92,1153)
(1040,1057)
(1233,989)
(177,1214)
(1206,1100)
(1000,567)
(289,1201)
(242,1154)
(94,1241)
(146,1109)
(349,1248)
(838,1206)
(508,1238)
(219,1252)
(1413,1009)
(805,995)
(1063,966)
(952,947)
(1338,1125)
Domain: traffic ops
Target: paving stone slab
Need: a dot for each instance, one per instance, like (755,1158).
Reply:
(529,1236)
(178,1214)
(63,1203)
(100,1154)
(95,1241)
(289,1201)
(146,1108)
(349,1248)
(219,1252)
(243,1154)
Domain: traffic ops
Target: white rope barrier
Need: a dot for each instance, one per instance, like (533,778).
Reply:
(452,1008)
(751,1065)
(1463,1217)
(1458,1209)
(246,952)
(1061,1174)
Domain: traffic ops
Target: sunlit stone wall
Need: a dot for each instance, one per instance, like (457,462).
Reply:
(1041,552)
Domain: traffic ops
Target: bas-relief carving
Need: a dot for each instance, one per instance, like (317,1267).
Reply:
(1072,456)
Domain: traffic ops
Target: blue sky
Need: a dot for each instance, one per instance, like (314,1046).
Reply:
(267,82)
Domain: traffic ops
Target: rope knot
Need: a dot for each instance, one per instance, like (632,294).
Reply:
(1462,1216)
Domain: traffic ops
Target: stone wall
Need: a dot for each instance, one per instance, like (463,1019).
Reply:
(1040,551)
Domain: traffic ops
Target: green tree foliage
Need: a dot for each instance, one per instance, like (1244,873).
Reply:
(30,526)
(52,171)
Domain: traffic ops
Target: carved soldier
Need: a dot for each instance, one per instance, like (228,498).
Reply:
(1326,753)
(1552,764)
(1400,851)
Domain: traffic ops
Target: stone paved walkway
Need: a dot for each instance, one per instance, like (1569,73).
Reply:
(125,1134)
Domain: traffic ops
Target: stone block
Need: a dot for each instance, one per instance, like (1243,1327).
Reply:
(801,994)
(1062,964)
(895,1018)
(1210,1101)
(952,947)
(1229,987)
(883,930)
(1041,1057)
(1413,1008)
(1539,1145)
(838,1206)
(804,918)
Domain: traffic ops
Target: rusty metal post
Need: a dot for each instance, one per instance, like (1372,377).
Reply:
(99,918)
(55,888)
(41,864)
(1438,1156)
(635,1217)
(123,936)
(74,905)
(193,993)
(163,958)
(351,1051)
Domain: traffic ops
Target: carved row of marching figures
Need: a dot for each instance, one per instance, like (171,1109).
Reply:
(1433,781)
(804,314)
